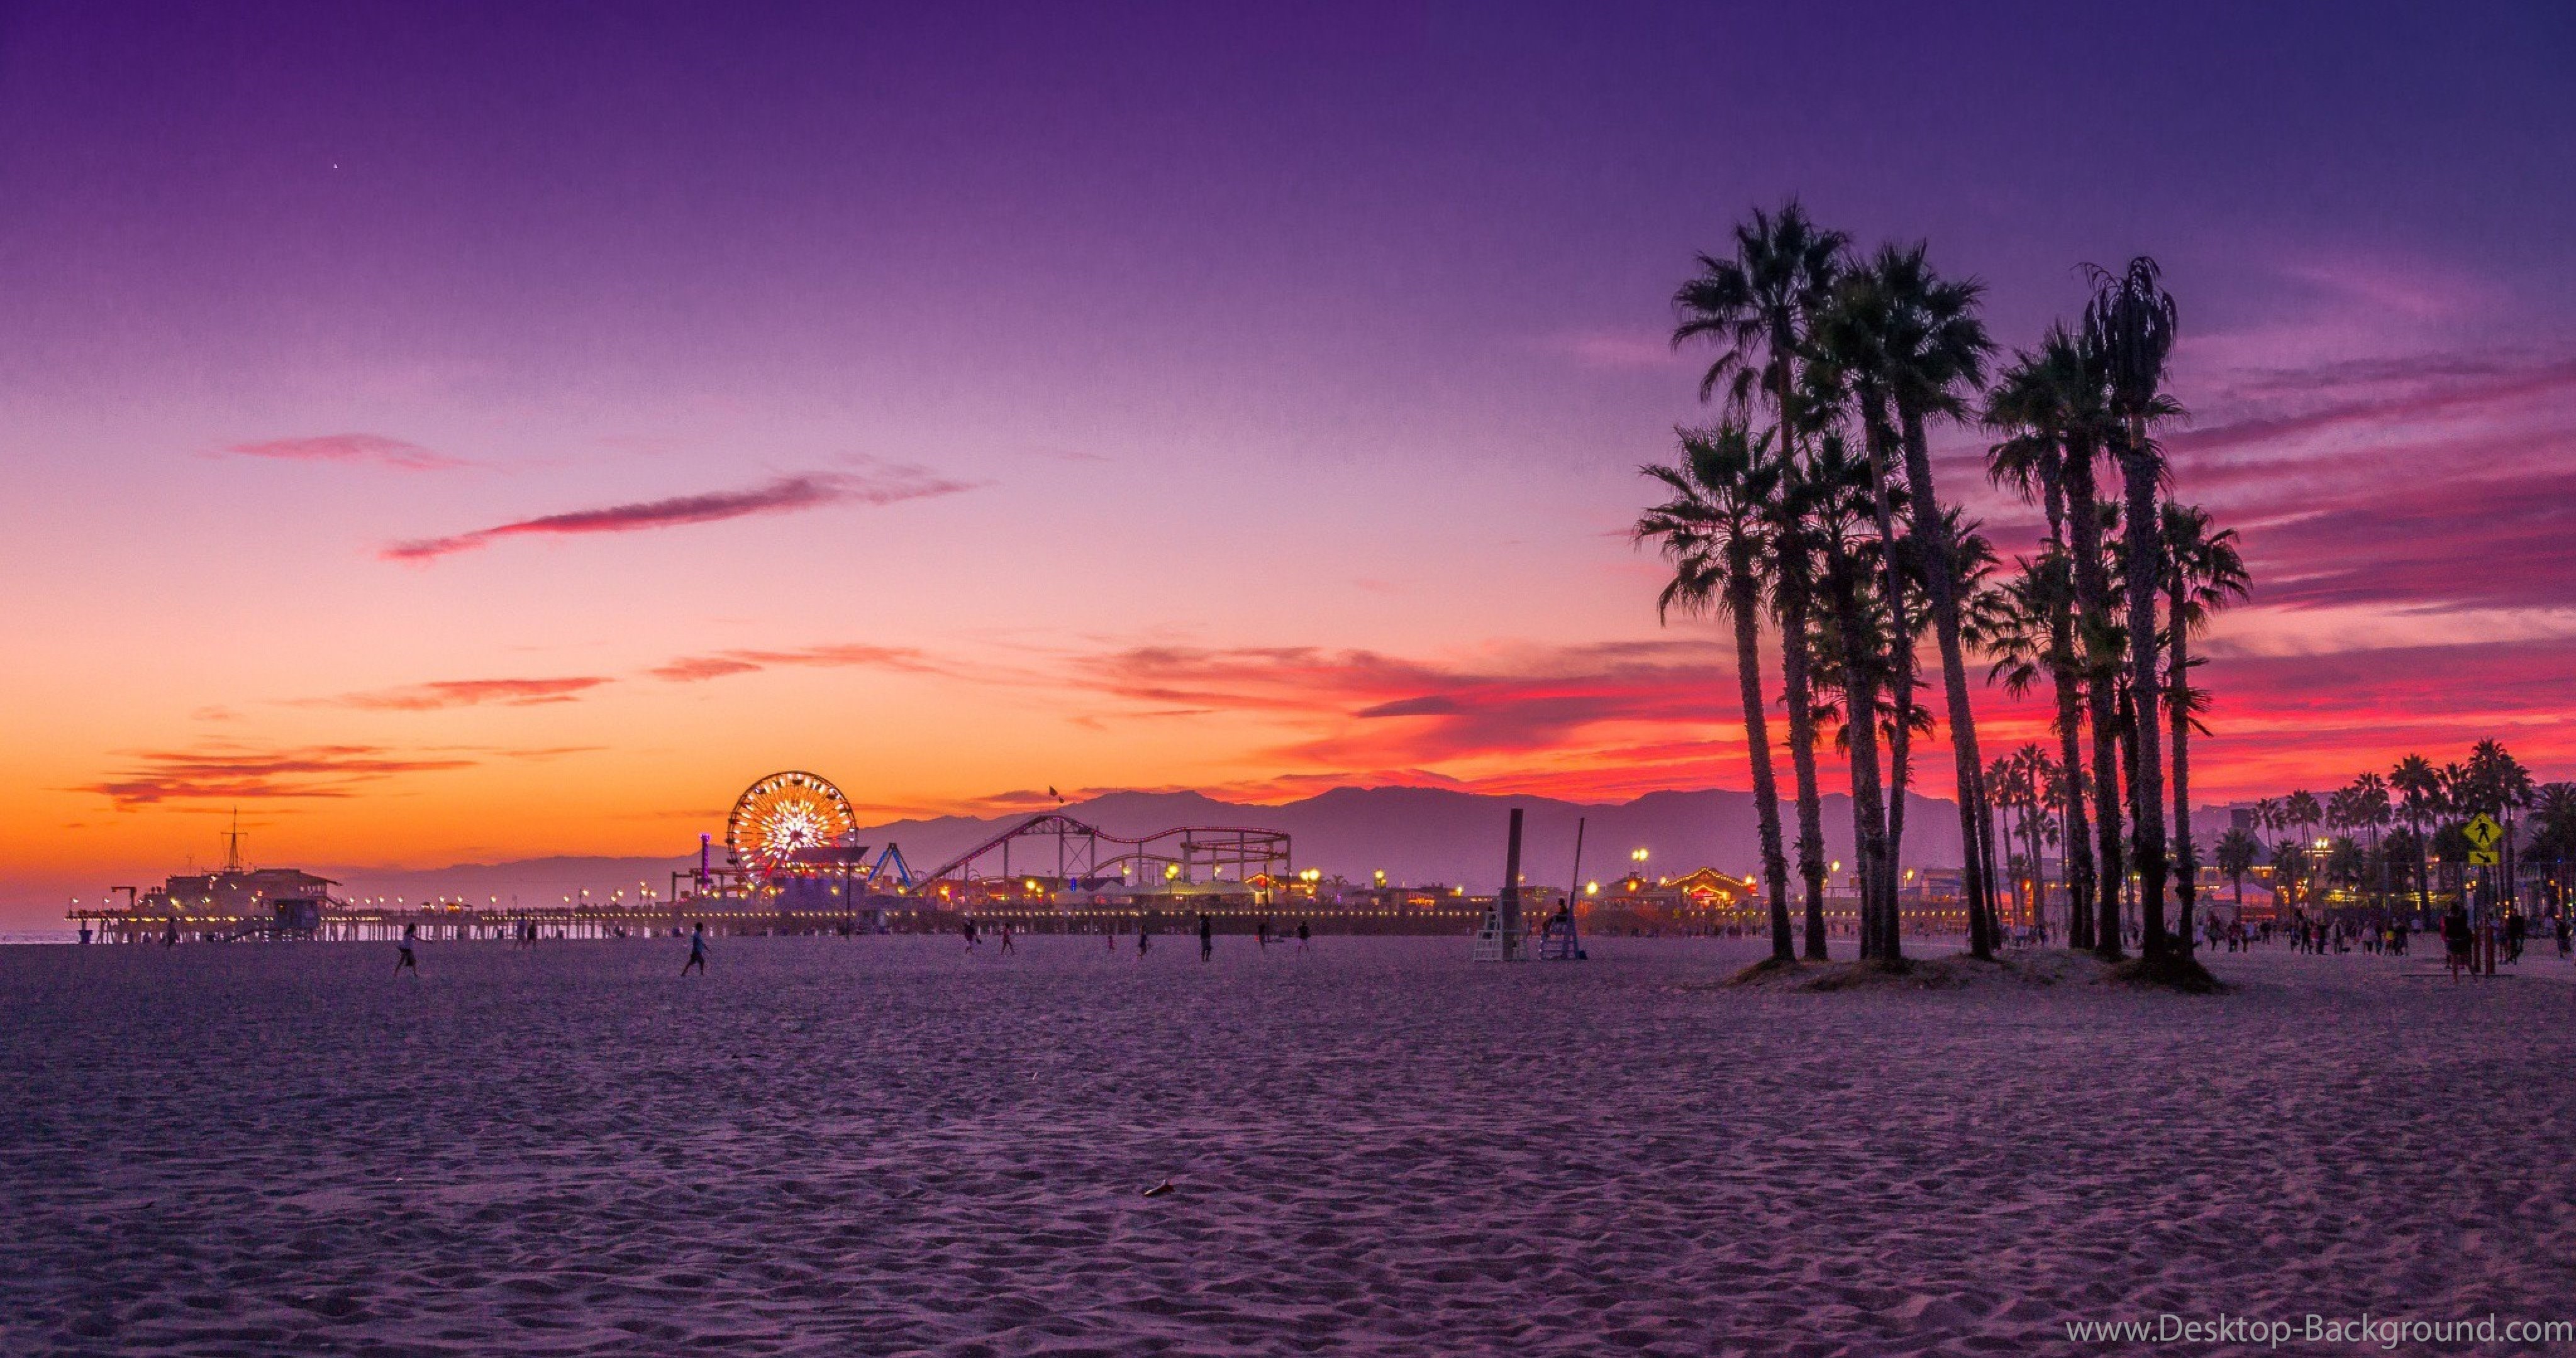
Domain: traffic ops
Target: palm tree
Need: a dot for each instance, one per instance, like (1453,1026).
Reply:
(2065,382)
(1793,593)
(1910,342)
(2553,839)
(1759,308)
(2027,405)
(2018,626)
(2368,809)
(1712,530)
(2236,852)
(2419,790)
(1839,485)
(2301,810)
(2130,323)
(2204,572)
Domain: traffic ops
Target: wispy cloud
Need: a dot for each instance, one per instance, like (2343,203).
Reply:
(241,773)
(691,669)
(1371,710)
(1618,350)
(369,448)
(787,494)
(447,693)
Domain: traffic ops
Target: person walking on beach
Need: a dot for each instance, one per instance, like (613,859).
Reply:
(1261,933)
(1006,940)
(403,959)
(966,930)
(697,950)
(2457,938)
(1303,935)
(1144,940)
(2566,937)
(1207,937)
(170,936)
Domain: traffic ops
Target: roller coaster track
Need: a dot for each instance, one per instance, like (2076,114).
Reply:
(1186,848)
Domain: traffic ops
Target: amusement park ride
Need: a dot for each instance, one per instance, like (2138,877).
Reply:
(791,849)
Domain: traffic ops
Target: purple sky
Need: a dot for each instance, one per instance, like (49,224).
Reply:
(1111,396)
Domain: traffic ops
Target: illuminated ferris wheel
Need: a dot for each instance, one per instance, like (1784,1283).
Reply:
(783,814)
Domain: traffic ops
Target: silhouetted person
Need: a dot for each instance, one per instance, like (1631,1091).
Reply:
(697,951)
(170,935)
(1144,940)
(1207,937)
(403,959)
(1303,935)
(1006,938)
(1261,933)
(2457,938)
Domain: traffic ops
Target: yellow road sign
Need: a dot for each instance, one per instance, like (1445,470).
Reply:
(2482,830)
(2483,858)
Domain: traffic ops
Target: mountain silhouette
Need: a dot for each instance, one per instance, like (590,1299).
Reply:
(1418,836)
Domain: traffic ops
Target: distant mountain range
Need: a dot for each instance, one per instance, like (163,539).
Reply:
(1417,836)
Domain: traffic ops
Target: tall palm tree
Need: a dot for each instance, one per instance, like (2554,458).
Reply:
(2071,397)
(2204,572)
(1713,530)
(2131,324)
(2236,852)
(2419,790)
(2371,810)
(1915,340)
(1759,307)
(1793,593)
(1839,485)
(2027,405)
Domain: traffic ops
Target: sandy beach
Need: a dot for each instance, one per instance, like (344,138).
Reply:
(836,1146)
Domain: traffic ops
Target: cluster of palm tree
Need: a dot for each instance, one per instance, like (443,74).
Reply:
(1808,511)
(1808,508)
(2381,836)
(2027,787)
(2106,610)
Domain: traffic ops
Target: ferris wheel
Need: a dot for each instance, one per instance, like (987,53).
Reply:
(782,814)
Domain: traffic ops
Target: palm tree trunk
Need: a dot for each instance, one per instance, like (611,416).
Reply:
(2423,871)
(2128,700)
(1900,741)
(2084,518)
(1869,810)
(1986,839)
(2146,567)
(1932,536)
(2186,862)
(2074,830)
(1742,602)
(1792,591)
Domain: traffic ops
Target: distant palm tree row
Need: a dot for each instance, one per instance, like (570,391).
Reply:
(1808,511)
(2383,834)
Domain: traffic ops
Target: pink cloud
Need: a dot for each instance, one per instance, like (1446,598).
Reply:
(695,668)
(233,773)
(784,495)
(470,693)
(373,448)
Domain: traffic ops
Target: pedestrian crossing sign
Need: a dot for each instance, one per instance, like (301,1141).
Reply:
(2483,833)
